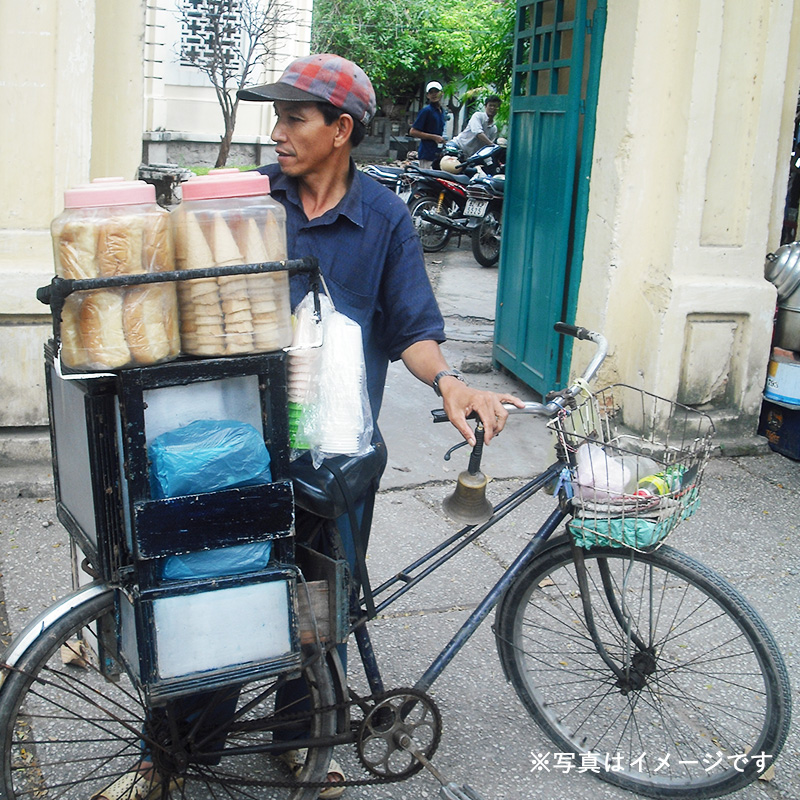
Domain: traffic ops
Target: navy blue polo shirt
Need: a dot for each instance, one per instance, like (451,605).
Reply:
(372,261)
(429,120)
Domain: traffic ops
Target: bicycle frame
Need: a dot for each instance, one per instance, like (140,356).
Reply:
(449,548)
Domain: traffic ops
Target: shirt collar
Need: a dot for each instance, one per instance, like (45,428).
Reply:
(349,206)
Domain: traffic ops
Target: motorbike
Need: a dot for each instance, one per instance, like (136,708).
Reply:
(469,204)
(424,190)
(398,179)
(436,194)
(484,212)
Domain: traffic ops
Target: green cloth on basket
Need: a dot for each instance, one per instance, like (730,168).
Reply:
(631,531)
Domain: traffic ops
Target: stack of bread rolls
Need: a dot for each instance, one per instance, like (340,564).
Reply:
(118,327)
(234,314)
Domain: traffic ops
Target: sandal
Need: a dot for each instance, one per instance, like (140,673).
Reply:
(296,760)
(136,784)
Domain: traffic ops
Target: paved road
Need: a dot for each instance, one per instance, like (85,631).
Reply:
(747,529)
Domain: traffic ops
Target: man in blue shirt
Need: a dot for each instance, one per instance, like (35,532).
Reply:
(367,247)
(361,233)
(372,262)
(429,126)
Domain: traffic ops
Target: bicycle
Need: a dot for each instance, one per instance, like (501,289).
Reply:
(618,646)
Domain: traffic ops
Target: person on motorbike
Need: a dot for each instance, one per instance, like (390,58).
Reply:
(429,126)
(481,129)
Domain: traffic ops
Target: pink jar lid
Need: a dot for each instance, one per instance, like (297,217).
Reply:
(225,183)
(110,192)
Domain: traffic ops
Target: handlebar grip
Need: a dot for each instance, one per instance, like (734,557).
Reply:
(572,330)
(440,415)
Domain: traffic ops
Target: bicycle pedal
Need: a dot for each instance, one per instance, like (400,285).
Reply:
(450,791)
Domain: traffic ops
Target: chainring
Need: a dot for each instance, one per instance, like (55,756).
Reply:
(396,713)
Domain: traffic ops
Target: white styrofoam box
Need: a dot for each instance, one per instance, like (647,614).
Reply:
(222,628)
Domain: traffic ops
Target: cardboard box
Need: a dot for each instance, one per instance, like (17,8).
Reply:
(780,424)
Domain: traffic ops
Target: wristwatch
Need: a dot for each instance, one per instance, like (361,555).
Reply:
(444,374)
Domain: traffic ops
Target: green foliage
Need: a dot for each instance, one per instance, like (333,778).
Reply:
(401,43)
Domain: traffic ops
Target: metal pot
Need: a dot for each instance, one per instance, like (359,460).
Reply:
(782,269)
(787,324)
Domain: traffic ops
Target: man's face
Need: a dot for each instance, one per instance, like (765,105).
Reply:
(304,141)
(492,108)
(434,96)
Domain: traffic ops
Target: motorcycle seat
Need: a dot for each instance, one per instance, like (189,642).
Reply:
(498,183)
(384,172)
(438,173)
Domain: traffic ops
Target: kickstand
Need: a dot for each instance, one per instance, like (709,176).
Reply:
(448,790)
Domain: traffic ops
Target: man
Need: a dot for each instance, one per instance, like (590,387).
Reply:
(366,245)
(372,262)
(363,237)
(360,232)
(429,126)
(481,129)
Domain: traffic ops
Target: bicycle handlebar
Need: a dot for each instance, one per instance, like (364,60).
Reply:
(559,403)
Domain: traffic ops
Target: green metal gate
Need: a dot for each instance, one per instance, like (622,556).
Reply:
(557,50)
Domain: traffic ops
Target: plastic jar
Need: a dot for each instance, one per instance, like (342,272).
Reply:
(227,218)
(114,227)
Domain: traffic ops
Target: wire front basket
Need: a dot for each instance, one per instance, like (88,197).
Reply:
(636,463)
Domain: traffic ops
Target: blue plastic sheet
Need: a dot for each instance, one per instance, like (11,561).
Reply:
(234,560)
(206,456)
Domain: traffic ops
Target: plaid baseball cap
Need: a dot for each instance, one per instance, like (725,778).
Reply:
(325,77)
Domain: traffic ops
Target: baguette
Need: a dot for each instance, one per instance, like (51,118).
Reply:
(157,246)
(144,317)
(73,353)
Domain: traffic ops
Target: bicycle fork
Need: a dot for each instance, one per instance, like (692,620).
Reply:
(632,674)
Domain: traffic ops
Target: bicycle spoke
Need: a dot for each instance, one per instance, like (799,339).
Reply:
(690,676)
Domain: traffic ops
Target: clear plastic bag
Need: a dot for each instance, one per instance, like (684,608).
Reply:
(336,418)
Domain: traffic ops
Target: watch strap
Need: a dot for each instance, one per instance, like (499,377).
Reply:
(444,374)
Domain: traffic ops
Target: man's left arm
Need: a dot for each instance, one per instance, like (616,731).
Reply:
(425,361)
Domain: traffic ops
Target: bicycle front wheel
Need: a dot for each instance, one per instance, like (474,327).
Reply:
(697,703)
(69,732)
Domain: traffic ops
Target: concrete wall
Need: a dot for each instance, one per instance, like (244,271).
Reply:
(71,94)
(690,166)
(693,139)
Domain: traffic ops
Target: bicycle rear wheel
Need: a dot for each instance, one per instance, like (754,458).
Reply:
(68,732)
(702,683)
(432,236)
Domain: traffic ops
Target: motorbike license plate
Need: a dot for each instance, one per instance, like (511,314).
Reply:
(475,208)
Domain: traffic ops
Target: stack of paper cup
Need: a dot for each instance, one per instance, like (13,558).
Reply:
(303,367)
(341,410)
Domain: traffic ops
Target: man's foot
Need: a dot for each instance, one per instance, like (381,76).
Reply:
(140,783)
(296,760)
